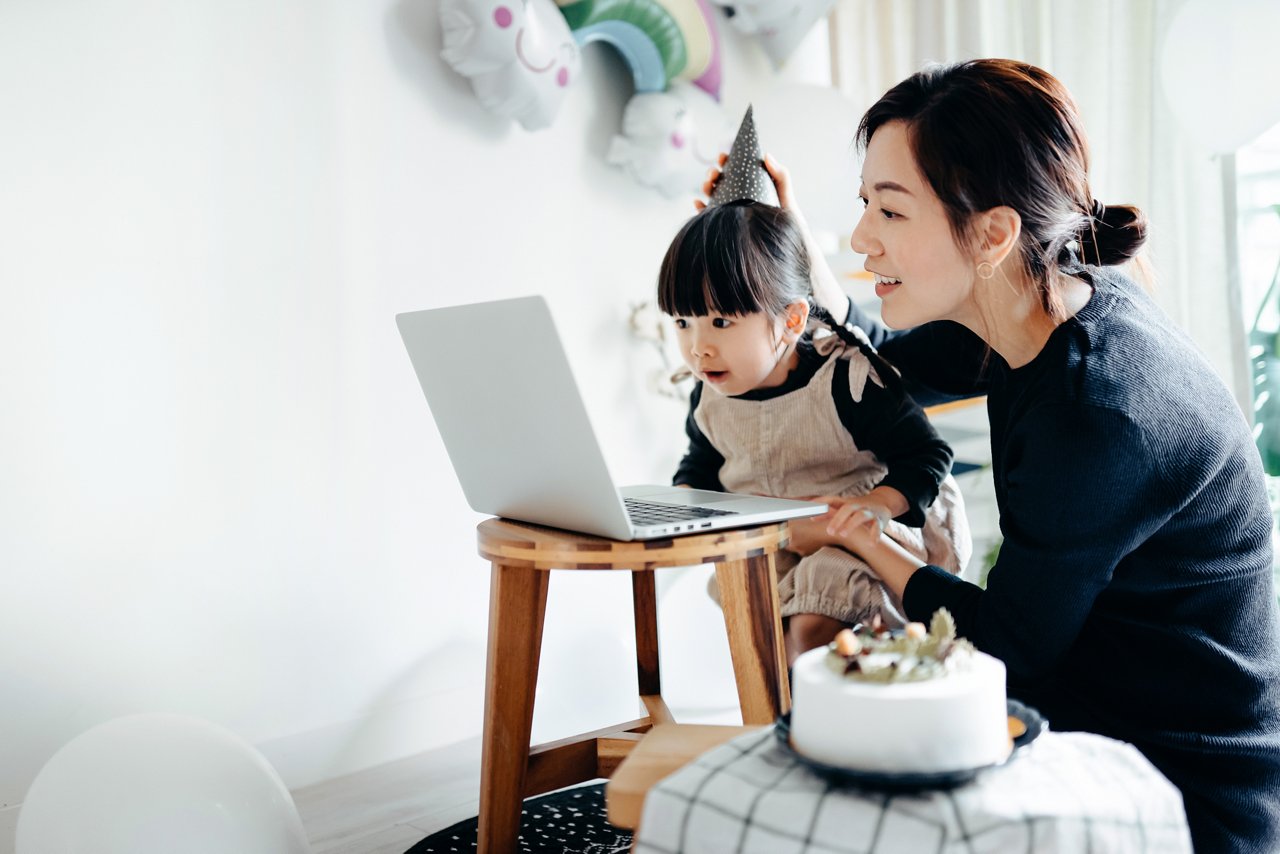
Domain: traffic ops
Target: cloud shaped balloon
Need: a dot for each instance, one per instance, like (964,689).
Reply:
(669,139)
(778,25)
(519,54)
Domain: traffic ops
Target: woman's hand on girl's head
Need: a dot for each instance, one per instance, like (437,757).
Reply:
(782,183)
(713,177)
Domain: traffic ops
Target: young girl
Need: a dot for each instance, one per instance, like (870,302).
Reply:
(780,410)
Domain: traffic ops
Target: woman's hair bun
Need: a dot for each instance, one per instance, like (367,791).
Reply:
(1113,234)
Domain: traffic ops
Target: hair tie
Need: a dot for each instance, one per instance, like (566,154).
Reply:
(1098,211)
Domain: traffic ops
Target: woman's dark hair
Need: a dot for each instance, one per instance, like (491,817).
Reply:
(992,132)
(739,258)
(742,258)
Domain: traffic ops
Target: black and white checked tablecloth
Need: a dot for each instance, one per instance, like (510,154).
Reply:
(1065,792)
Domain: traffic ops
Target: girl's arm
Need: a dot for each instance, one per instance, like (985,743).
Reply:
(884,420)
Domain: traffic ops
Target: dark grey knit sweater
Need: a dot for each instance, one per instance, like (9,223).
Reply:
(1133,594)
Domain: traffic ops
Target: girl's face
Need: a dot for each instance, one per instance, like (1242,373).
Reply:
(735,354)
(921,274)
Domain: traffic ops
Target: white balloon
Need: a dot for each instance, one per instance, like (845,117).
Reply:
(670,139)
(159,784)
(1218,70)
(778,25)
(520,55)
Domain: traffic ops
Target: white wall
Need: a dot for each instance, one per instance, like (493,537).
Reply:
(221,490)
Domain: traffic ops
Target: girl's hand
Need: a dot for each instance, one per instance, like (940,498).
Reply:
(809,534)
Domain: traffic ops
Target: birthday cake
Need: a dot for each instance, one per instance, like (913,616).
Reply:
(919,701)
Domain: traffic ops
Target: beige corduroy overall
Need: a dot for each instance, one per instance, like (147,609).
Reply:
(795,446)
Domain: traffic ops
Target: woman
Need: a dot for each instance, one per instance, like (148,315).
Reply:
(1133,592)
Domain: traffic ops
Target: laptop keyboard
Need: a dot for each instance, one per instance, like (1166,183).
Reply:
(648,513)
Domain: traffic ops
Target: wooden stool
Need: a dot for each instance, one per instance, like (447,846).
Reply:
(664,750)
(521,555)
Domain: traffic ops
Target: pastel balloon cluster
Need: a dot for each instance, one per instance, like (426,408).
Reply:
(521,56)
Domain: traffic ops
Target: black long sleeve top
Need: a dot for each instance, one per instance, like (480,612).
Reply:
(1133,592)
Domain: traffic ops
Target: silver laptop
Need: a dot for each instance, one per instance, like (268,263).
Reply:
(504,399)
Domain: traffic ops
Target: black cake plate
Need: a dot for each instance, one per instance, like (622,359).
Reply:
(912,781)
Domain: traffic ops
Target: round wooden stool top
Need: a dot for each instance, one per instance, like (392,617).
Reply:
(509,543)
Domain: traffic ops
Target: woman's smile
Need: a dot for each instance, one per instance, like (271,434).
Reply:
(886,285)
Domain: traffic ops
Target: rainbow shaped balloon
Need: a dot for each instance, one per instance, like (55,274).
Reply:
(660,40)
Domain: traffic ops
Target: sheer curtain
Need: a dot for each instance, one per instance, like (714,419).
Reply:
(1109,55)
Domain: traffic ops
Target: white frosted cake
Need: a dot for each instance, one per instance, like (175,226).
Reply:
(908,702)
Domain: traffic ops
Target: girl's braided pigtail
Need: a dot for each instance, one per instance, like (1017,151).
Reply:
(888,373)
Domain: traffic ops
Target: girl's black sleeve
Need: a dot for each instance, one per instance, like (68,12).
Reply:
(890,425)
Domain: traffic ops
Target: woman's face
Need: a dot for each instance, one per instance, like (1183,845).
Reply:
(921,274)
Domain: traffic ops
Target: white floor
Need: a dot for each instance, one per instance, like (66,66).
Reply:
(385,810)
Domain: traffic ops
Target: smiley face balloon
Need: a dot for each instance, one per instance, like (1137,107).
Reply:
(670,139)
(519,54)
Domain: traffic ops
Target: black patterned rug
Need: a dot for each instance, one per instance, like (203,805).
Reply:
(571,820)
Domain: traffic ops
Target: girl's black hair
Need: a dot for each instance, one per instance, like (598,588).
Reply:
(992,132)
(742,258)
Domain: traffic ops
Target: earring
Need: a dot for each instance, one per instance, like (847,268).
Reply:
(986,270)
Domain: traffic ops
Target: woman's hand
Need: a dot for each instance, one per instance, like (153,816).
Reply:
(811,533)
(826,290)
(856,524)
(713,177)
(781,182)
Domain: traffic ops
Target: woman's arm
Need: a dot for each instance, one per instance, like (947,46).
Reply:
(1084,493)
(826,289)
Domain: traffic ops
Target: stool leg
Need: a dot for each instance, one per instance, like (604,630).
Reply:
(753,619)
(645,599)
(517,605)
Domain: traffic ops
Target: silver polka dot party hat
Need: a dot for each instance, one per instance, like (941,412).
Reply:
(744,176)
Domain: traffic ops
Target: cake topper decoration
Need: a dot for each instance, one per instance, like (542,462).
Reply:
(914,654)
(744,175)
